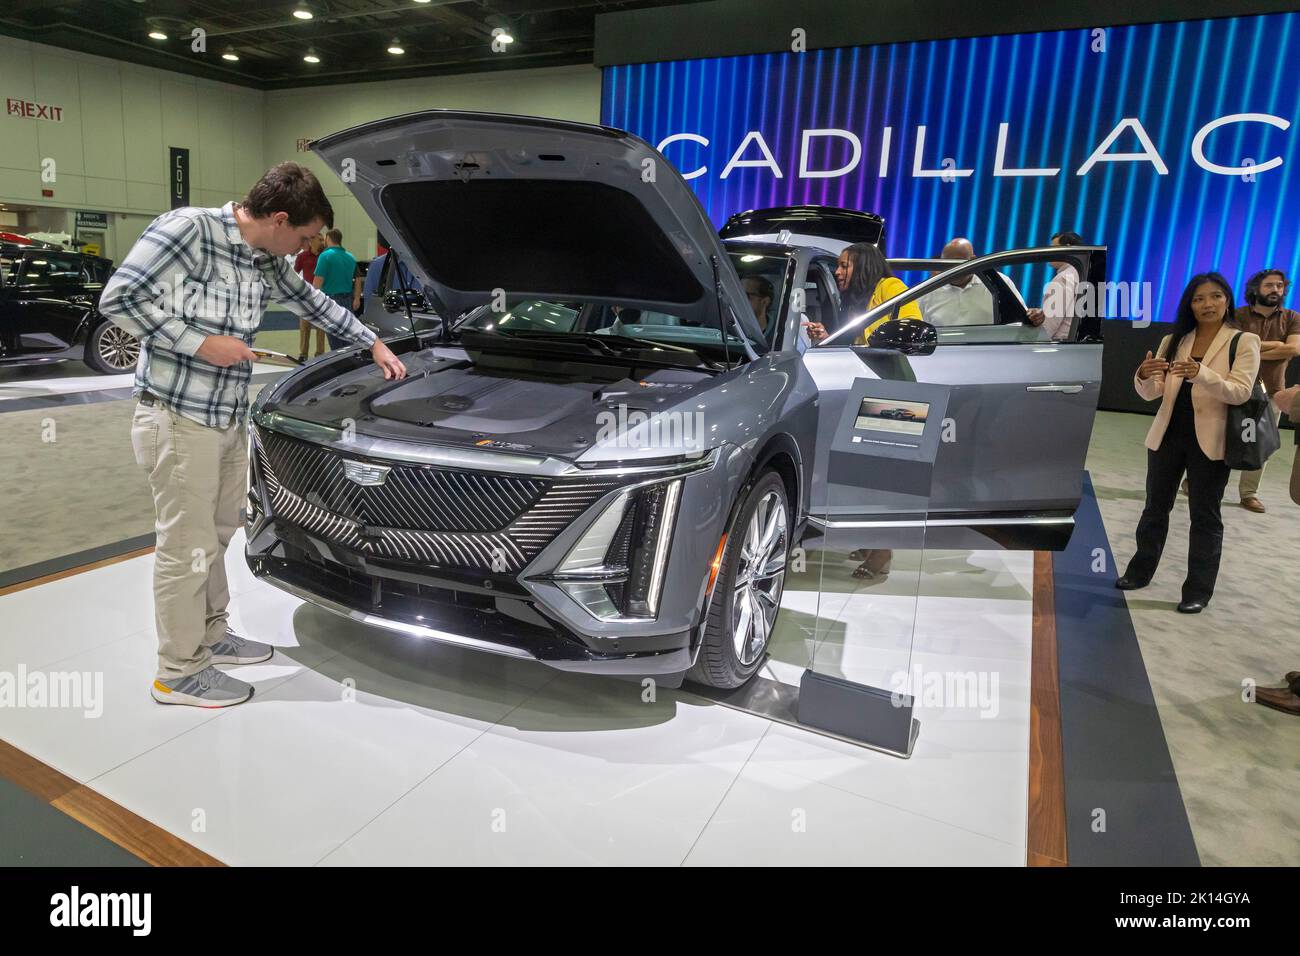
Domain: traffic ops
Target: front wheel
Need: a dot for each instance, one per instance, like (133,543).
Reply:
(747,595)
(110,350)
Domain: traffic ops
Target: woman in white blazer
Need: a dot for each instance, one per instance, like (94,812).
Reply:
(1195,387)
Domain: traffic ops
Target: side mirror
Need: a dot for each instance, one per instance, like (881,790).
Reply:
(908,336)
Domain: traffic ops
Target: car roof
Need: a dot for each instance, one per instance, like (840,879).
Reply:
(774,248)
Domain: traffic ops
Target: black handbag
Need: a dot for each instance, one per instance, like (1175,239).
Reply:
(1252,433)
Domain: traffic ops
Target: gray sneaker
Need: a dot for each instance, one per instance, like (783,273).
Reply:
(208,688)
(233,649)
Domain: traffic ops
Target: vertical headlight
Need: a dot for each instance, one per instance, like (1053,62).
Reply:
(652,530)
(616,570)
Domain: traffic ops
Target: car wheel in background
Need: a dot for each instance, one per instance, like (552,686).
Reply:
(747,595)
(110,350)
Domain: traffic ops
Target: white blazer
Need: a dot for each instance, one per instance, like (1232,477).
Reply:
(1214,388)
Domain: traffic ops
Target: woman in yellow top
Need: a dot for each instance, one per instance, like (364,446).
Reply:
(865,282)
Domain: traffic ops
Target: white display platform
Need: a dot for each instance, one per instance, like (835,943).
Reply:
(365,747)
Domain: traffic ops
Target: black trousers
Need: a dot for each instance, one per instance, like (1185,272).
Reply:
(1179,452)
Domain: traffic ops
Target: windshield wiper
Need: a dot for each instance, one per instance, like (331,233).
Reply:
(605,343)
(676,357)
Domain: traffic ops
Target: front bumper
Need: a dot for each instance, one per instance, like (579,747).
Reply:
(449,612)
(441,586)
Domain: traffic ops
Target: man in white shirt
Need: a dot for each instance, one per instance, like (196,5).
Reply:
(965,300)
(1059,295)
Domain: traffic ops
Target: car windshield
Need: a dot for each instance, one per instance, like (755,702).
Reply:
(763,277)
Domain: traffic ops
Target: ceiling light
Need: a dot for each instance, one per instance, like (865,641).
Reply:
(230,55)
(157,35)
(501,37)
(302,11)
(310,57)
(395,47)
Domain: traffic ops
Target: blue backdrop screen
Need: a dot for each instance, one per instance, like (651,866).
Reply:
(1173,144)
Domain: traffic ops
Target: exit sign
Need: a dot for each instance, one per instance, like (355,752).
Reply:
(28,109)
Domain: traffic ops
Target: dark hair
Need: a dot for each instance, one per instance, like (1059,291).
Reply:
(869,267)
(335,237)
(765,288)
(1184,318)
(293,189)
(1068,239)
(1255,281)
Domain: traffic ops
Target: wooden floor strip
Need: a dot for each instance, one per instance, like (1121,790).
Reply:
(1046,837)
(133,833)
(79,569)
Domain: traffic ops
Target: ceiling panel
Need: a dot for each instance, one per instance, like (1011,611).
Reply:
(350,37)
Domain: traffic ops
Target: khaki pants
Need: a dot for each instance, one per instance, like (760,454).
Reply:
(199,479)
(1248,485)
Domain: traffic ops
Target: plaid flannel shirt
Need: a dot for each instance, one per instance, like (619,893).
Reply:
(191,275)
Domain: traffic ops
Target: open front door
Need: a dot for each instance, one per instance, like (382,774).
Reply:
(1020,399)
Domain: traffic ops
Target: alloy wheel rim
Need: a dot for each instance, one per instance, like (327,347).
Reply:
(760,577)
(118,348)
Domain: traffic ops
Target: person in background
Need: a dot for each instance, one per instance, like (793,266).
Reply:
(965,300)
(1278,329)
(358,283)
(336,270)
(1285,401)
(1286,699)
(1190,373)
(1057,314)
(760,292)
(305,265)
(374,273)
(865,282)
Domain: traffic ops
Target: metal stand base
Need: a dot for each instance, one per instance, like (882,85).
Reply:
(843,713)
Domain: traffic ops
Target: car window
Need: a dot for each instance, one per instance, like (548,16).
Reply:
(50,268)
(982,298)
(821,302)
(763,277)
(531,314)
(1019,298)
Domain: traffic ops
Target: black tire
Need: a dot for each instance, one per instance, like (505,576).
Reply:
(110,350)
(719,663)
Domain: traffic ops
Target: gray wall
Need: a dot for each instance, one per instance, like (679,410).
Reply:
(110,150)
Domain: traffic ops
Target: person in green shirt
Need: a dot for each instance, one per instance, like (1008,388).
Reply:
(336,270)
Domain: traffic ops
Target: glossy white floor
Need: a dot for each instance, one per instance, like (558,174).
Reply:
(361,747)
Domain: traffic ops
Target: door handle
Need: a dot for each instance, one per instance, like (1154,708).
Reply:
(1067,389)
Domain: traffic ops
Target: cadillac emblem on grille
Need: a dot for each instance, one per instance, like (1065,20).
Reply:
(364,473)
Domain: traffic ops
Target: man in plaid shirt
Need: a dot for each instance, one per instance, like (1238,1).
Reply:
(193,290)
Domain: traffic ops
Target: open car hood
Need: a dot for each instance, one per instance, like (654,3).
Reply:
(539,208)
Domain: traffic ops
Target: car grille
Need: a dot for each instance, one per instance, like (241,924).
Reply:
(439,517)
(412,496)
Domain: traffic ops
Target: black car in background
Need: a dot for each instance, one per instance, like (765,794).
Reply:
(49,310)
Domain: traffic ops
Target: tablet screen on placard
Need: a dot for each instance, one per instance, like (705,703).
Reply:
(892,415)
